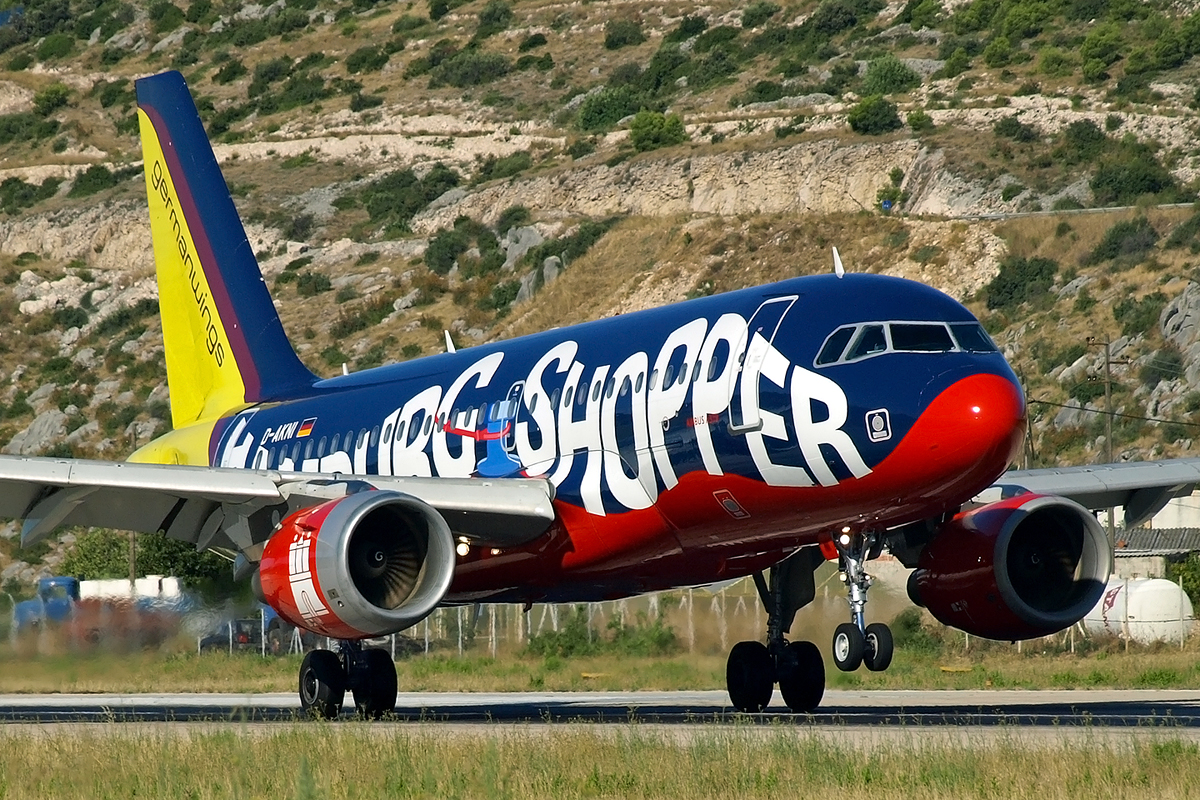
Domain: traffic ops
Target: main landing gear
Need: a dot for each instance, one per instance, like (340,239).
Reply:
(753,668)
(369,673)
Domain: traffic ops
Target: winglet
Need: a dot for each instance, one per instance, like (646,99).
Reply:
(449,343)
(838,269)
(225,345)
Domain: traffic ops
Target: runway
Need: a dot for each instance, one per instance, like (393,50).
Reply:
(1176,709)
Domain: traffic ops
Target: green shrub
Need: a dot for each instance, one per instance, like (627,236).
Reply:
(95,178)
(366,59)
(361,102)
(407,22)
(573,638)
(1128,239)
(51,99)
(757,13)
(580,148)
(573,246)
(1055,62)
(165,16)
(229,72)
(689,26)
(608,106)
(1011,127)
(494,168)
(16,194)
(309,284)
(958,63)
(998,52)
(1010,191)
(495,17)
(1182,235)
(1139,316)
(620,33)
(919,121)
(1123,182)
(1020,279)
(873,116)
(651,130)
(532,42)
(444,249)
(513,217)
(55,46)
(1165,365)
(889,75)
(1081,142)
(469,68)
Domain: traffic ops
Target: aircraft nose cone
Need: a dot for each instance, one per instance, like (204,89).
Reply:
(978,422)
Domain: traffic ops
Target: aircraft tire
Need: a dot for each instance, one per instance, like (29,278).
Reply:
(750,676)
(378,696)
(878,653)
(802,684)
(322,684)
(849,645)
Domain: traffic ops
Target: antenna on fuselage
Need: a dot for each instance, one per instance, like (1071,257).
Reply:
(838,269)
(449,342)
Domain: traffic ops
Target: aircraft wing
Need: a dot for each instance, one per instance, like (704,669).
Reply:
(1142,487)
(238,508)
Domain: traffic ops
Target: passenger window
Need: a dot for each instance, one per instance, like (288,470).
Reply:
(835,345)
(533,404)
(653,378)
(400,431)
(554,399)
(581,398)
(668,375)
(271,457)
(308,448)
(638,387)
(625,386)
(608,389)
(921,337)
(973,338)
(428,425)
(596,391)
(296,455)
(333,446)
(374,436)
(870,341)
(567,396)
(387,433)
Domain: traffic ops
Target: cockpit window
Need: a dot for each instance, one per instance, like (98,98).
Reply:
(834,345)
(870,340)
(867,339)
(921,337)
(973,338)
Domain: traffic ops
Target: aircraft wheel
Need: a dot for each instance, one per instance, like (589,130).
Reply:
(802,683)
(378,696)
(848,647)
(750,676)
(878,653)
(322,684)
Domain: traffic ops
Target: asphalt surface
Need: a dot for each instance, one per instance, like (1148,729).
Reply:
(1176,709)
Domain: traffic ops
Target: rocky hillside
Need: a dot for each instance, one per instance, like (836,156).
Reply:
(494,168)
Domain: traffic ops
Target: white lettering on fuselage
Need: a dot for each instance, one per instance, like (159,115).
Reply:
(569,412)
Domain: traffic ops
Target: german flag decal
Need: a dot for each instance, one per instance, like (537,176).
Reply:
(306,427)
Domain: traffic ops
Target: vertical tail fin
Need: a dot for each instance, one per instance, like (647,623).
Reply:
(224,343)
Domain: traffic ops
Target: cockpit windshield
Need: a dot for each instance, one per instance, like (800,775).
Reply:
(868,339)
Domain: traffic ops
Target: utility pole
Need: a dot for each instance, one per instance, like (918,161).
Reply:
(1092,341)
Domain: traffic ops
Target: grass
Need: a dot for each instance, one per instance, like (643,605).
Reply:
(354,760)
(985,666)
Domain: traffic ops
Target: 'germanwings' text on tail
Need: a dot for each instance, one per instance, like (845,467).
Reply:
(755,433)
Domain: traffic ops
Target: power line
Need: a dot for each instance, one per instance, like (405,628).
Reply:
(1115,413)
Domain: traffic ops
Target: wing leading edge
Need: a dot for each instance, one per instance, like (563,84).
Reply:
(239,509)
(1142,487)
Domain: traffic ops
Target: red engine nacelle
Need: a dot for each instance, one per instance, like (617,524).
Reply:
(363,565)
(1022,567)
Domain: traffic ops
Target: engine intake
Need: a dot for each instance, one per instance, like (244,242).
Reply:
(363,565)
(1022,567)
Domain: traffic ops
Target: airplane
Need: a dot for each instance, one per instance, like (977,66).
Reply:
(756,433)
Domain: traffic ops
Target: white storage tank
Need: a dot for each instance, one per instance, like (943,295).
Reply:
(1143,609)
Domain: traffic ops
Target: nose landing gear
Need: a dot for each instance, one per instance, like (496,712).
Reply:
(855,643)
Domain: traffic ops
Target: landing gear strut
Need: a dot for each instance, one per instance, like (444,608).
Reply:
(855,642)
(369,673)
(754,668)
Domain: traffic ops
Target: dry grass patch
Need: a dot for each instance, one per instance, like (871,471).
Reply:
(356,760)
